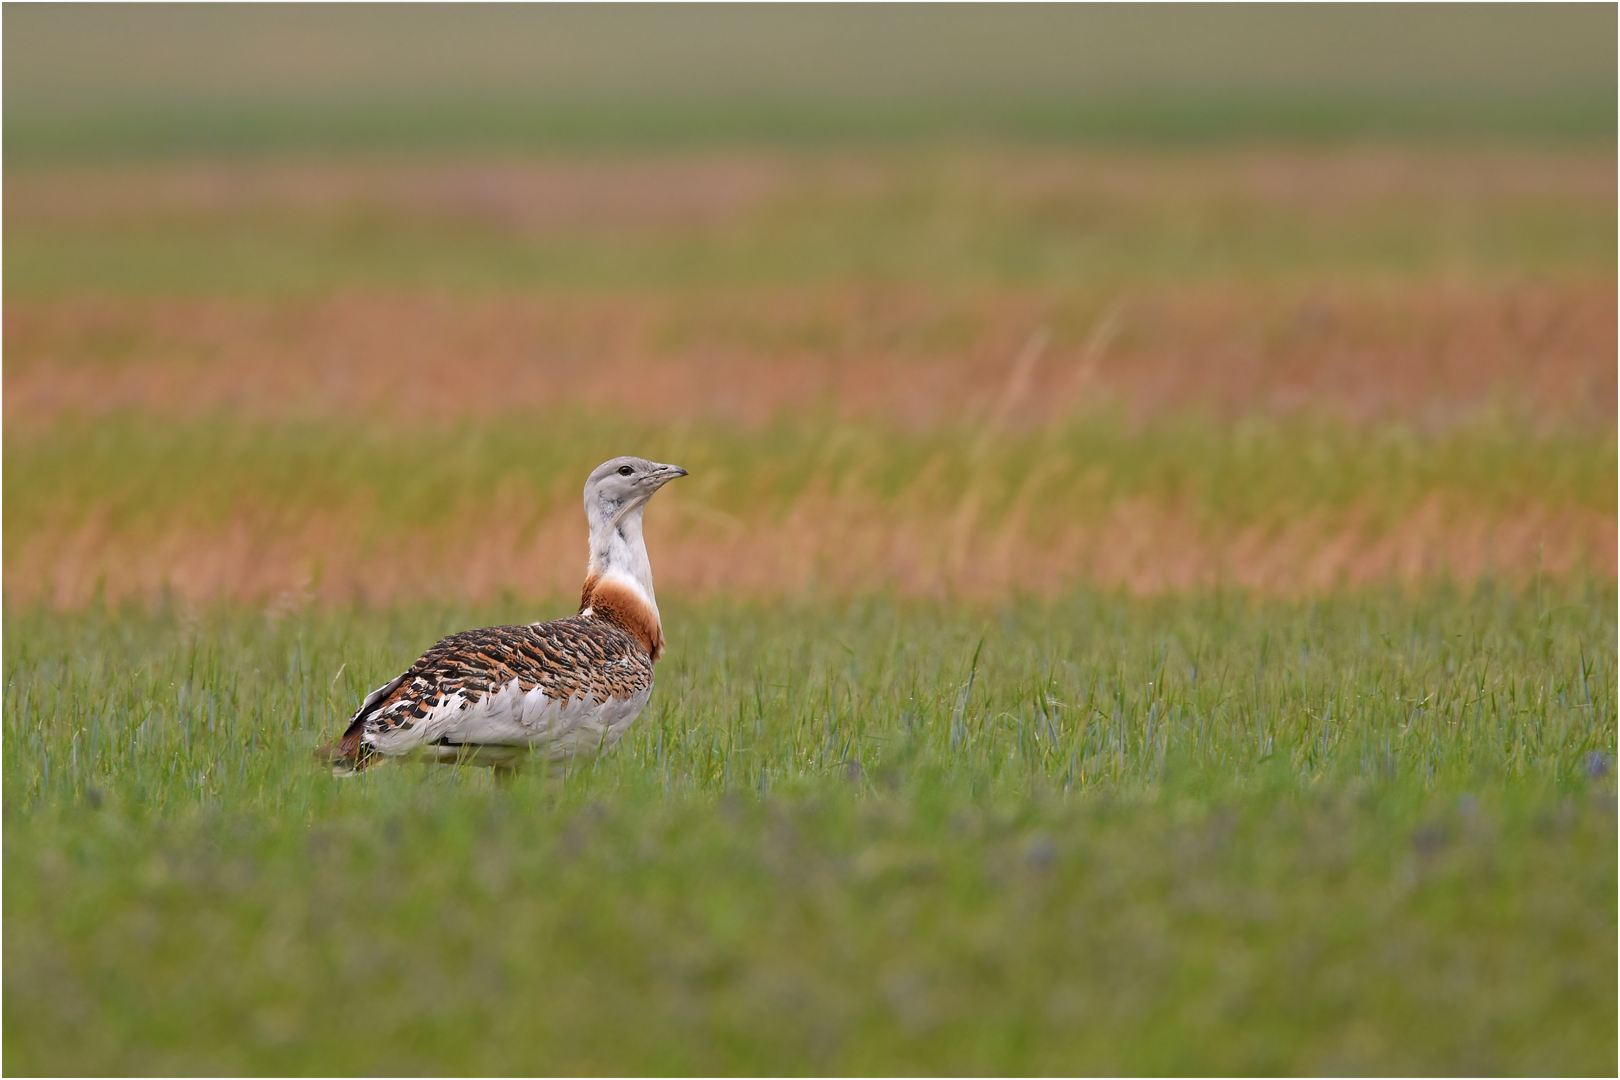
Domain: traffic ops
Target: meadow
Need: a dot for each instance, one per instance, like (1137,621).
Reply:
(1369,834)
(1135,608)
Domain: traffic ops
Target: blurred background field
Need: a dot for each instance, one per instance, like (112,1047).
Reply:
(1023,359)
(984,369)
(99,82)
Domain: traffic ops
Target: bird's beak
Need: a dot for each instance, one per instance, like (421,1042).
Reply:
(666,473)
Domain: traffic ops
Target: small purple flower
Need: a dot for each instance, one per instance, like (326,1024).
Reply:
(1040,852)
(1597,765)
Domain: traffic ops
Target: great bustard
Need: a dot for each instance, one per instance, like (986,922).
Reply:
(572,686)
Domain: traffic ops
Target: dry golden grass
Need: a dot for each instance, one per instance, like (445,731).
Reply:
(914,357)
(825,543)
(938,294)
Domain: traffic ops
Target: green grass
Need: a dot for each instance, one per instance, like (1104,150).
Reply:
(954,217)
(1196,834)
(108,83)
(113,133)
(144,473)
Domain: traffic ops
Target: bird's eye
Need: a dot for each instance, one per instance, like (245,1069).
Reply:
(625,470)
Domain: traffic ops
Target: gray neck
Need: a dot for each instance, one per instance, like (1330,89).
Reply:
(618,550)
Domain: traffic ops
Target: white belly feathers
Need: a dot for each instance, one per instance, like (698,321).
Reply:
(511,717)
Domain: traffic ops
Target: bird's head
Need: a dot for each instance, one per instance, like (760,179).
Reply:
(617,487)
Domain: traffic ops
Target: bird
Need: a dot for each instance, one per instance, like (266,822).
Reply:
(560,689)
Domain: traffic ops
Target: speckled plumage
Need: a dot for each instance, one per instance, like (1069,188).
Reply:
(571,686)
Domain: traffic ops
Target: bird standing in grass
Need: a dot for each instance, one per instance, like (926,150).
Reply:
(572,686)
